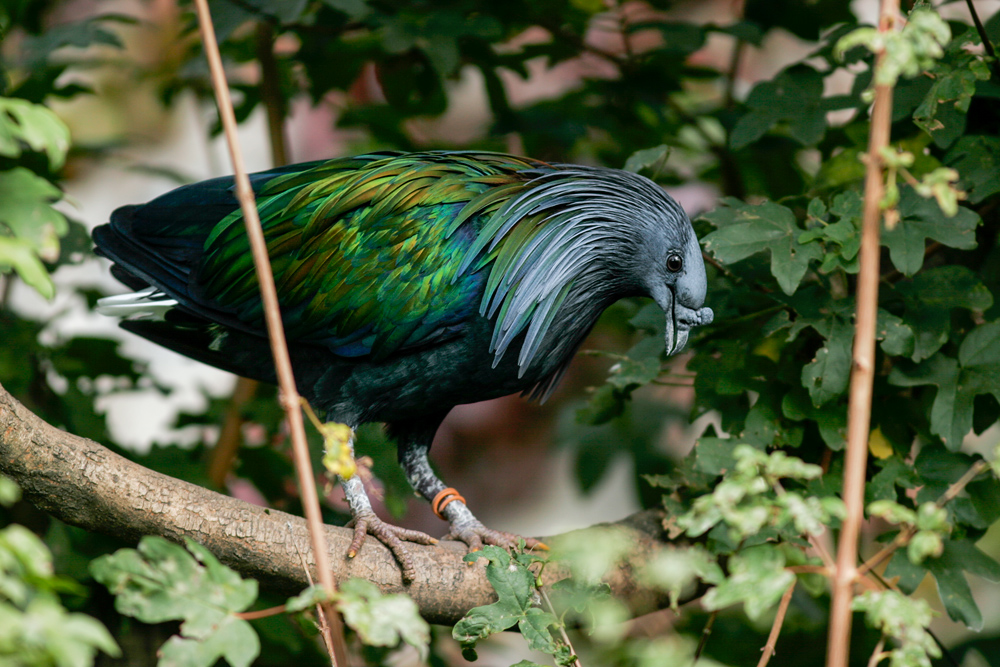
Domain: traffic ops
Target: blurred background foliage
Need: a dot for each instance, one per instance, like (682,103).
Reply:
(741,109)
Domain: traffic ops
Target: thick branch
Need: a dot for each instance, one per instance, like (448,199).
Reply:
(84,484)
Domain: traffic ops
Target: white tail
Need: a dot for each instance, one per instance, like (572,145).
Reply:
(149,303)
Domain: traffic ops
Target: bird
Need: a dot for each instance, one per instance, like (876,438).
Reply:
(408,283)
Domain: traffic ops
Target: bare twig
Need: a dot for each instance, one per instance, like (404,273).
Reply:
(877,654)
(261,613)
(904,536)
(706,632)
(270,94)
(952,491)
(728,99)
(6,283)
(275,330)
(561,626)
(779,619)
(623,28)
(982,32)
(228,444)
(863,372)
(828,565)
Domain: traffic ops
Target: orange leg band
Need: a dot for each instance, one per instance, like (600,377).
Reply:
(442,499)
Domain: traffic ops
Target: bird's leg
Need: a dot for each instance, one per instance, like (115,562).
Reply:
(366,522)
(414,444)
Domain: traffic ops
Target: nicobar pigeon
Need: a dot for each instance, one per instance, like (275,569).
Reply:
(409,283)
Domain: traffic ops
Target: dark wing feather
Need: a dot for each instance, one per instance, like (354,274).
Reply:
(365,252)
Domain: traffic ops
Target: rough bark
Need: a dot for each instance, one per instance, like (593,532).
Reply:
(84,484)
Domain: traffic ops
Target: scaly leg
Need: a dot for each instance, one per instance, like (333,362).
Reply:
(366,522)
(414,442)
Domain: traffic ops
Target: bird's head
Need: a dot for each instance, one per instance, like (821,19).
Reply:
(590,236)
(666,262)
(675,279)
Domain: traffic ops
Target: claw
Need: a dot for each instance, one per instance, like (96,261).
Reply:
(476,534)
(391,536)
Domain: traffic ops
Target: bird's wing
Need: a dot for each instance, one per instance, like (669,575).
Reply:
(365,251)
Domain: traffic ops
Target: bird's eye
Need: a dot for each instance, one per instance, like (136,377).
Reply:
(674,263)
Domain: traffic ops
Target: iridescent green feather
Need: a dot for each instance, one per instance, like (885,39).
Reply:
(367,253)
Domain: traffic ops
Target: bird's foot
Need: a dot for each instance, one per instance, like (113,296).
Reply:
(367,523)
(475,535)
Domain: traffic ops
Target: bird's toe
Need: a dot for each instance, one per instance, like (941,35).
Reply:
(476,535)
(393,537)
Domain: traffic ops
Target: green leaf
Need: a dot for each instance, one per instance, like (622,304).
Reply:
(977,371)
(896,337)
(639,366)
(827,375)
(10,492)
(46,634)
(606,403)
(230,638)
(382,620)
(977,159)
(929,299)
(831,419)
(307,599)
(28,213)
(922,219)
(792,99)
(22,122)
(757,578)
(515,588)
(957,557)
(355,9)
(80,34)
(162,581)
(592,552)
(954,84)
(904,619)
(675,569)
(21,256)
(648,157)
(746,229)
(841,239)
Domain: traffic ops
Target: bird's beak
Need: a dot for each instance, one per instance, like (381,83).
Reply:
(680,321)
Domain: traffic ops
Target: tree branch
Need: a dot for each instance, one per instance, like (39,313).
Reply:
(84,484)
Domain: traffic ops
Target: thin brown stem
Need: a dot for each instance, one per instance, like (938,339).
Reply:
(665,383)
(561,626)
(728,99)
(901,540)
(952,491)
(824,555)
(982,31)
(275,330)
(623,28)
(863,372)
(6,283)
(261,613)
(270,94)
(228,444)
(904,536)
(324,627)
(706,632)
(877,655)
(779,619)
